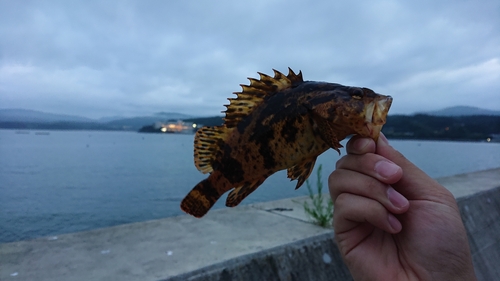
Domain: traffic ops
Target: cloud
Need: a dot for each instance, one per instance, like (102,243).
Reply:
(97,58)
(438,88)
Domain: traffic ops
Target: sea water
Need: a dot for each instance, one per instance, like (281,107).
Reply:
(55,182)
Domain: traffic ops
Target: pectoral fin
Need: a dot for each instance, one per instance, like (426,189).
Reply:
(301,171)
(330,131)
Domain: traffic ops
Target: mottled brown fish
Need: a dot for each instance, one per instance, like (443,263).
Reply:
(277,123)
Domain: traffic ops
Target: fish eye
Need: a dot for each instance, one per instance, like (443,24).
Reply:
(356,93)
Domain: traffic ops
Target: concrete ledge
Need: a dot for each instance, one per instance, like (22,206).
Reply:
(265,241)
(152,250)
(313,258)
(471,183)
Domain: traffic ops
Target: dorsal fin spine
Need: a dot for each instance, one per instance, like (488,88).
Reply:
(254,94)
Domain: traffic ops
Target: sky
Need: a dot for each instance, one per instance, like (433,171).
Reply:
(136,58)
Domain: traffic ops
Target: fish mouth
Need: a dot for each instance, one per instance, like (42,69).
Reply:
(375,116)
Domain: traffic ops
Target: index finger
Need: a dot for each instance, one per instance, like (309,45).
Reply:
(415,184)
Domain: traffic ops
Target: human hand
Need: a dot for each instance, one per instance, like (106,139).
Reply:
(392,221)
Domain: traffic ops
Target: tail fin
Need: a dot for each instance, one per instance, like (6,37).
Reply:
(201,198)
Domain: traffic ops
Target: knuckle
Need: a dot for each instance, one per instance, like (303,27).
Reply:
(373,184)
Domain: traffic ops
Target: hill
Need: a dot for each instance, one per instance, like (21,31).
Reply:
(462,111)
(26,115)
(421,126)
(37,120)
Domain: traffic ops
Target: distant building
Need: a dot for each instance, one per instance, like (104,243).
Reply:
(176,127)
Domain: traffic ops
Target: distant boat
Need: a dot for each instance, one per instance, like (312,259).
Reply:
(171,127)
(22,132)
(176,127)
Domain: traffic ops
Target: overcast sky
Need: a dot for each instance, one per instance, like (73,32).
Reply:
(104,58)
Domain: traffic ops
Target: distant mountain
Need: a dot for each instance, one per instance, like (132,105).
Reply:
(172,116)
(161,116)
(109,119)
(24,118)
(462,111)
(429,127)
(26,115)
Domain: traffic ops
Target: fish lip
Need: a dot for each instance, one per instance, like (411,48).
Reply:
(377,116)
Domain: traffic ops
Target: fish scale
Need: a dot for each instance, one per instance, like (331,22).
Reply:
(278,123)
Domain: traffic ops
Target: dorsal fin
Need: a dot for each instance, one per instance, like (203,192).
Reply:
(206,145)
(252,95)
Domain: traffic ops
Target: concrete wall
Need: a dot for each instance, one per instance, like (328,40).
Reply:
(318,258)
(315,258)
(481,216)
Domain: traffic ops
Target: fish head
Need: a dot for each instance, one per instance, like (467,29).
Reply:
(368,111)
(351,110)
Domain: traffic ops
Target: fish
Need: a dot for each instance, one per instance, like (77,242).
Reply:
(277,123)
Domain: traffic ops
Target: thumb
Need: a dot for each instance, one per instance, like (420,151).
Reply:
(415,183)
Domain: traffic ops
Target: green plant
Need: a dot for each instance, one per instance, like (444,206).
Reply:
(321,212)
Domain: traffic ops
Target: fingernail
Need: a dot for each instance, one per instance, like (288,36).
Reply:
(386,169)
(398,200)
(394,222)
